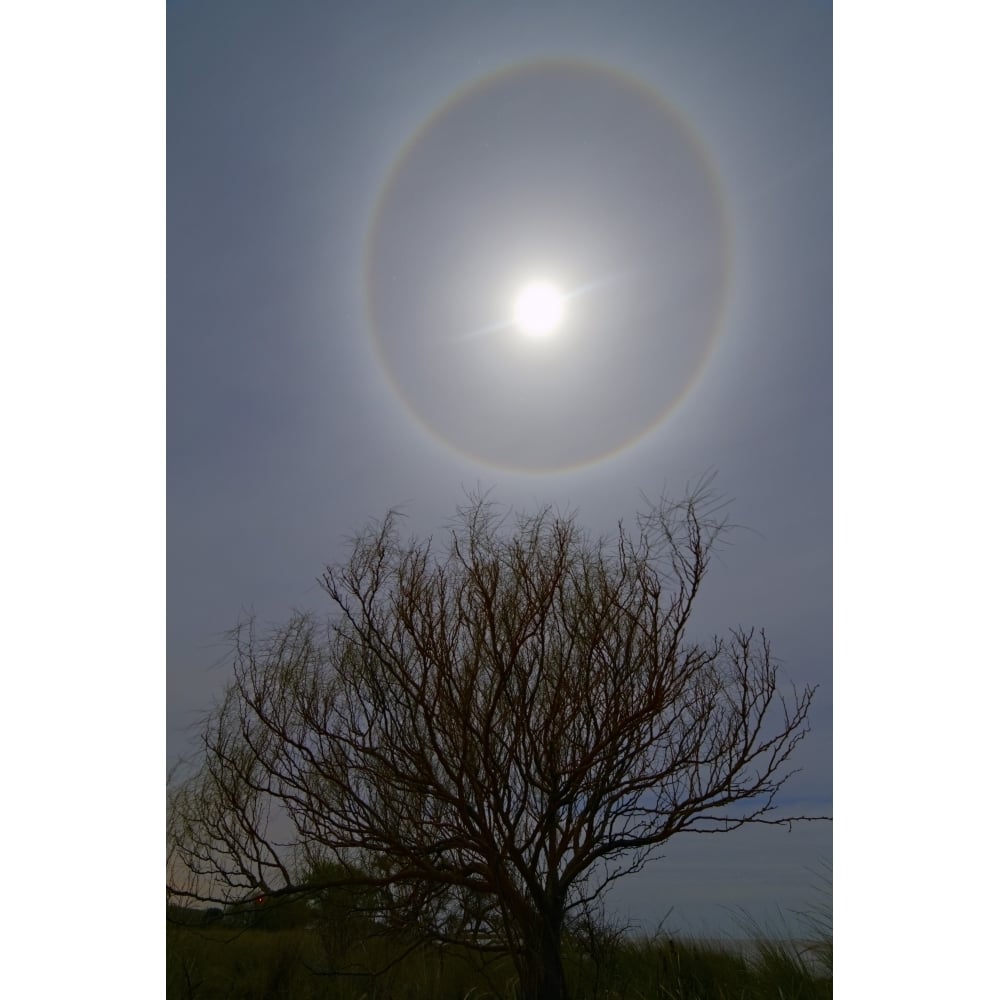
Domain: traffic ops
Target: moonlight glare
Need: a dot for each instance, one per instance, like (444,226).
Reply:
(539,309)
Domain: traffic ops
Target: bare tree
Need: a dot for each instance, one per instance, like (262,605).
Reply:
(493,733)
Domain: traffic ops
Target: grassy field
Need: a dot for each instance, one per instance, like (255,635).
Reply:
(299,964)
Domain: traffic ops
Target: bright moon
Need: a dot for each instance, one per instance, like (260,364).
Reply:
(539,308)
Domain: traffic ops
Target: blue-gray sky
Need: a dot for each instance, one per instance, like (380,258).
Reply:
(336,169)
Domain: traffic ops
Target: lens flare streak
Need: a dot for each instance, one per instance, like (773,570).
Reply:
(511,324)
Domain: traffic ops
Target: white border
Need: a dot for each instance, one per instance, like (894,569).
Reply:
(916,168)
(82,403)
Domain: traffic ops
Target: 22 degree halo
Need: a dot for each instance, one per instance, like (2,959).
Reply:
(590,186)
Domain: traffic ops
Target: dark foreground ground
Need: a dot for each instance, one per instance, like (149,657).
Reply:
(216,961)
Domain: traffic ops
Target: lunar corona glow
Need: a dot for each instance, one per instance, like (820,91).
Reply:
(539,308)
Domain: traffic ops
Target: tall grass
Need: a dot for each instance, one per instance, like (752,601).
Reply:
(603,962)
(206,964)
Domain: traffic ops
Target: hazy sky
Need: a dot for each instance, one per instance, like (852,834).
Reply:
(355,193)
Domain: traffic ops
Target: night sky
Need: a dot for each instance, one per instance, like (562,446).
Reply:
(355,193)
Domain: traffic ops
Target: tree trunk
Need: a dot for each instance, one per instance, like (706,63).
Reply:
(542,977)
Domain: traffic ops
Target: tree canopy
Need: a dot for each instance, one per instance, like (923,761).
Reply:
(491,732)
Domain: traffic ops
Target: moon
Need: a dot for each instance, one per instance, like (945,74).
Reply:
(539,308)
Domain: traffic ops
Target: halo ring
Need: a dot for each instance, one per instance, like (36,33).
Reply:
(471,90)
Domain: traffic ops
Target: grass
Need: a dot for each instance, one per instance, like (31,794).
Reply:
(215,963)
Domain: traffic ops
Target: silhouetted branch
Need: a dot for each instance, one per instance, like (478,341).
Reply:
(487,738)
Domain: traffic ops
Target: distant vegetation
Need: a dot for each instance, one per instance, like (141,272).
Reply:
(216,956)
(325,948)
